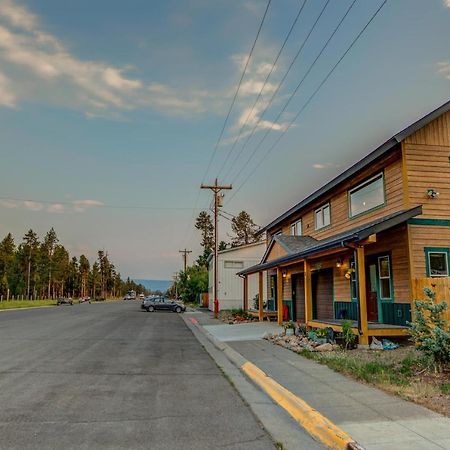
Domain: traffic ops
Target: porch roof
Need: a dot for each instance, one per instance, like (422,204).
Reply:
(339,240)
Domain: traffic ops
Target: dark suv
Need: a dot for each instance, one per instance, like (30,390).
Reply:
(162,303)
(64,301)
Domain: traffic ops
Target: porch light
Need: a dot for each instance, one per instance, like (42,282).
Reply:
(339,263)
(284,273)
(432,193)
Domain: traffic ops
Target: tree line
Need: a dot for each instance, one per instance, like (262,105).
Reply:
(40,269)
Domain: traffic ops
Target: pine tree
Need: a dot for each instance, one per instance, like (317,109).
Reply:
(244,228)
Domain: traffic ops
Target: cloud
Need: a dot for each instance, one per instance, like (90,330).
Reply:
(328,165)
(447,3)
(7,97)
(44,70)
(444,67)
(77,206)
(82,205)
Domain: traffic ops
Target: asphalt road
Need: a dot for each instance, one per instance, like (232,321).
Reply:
(110,376)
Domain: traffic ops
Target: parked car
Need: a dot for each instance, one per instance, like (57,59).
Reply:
(84,300)
(64,301)
(162,303)
(128,297)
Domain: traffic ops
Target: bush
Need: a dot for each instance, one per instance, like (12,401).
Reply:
(347,334)
(430,331)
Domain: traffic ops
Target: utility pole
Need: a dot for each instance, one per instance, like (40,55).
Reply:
(216,188)
(185,254)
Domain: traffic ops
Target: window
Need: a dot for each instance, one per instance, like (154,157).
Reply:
(233,264)
(437,262)
(384,275)
(367,196)
(296,228)
(322,216)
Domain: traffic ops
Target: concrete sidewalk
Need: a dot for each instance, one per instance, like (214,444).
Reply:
(375,419)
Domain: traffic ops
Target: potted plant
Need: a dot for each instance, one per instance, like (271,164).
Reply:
(289,328)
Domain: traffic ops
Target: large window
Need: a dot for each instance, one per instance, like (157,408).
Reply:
(296,228)
(384,276)
(322,216)
(367,196)
(437,261)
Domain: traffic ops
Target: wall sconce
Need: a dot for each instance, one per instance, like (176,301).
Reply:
(432,193)
(284,273)
(339,263)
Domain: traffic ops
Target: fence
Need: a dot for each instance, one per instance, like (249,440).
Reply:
(441,286)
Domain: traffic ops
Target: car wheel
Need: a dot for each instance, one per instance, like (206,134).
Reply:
(178,309)
(150,308)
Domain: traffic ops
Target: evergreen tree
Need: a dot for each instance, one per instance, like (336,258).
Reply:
(244,229)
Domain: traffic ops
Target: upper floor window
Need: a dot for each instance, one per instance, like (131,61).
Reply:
(367,196)
(322,216)
(233,264)
(296,228)
(437,261)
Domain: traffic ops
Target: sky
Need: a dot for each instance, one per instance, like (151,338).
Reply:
(111,113)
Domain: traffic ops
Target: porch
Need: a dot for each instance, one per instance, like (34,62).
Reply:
(349,276)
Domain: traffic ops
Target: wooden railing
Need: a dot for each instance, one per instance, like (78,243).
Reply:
(441,286)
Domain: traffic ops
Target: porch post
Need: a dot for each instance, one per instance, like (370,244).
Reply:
(364,338)
(280,296)
(245,293)
(260,297)
(308,291)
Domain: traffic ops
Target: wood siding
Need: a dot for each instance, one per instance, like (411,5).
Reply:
(277,251)
(322,284)
(436,132)
(422,236)
(340,220)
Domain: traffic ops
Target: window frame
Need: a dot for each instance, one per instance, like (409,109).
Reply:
(362,185)
(389,277)
(322,208)
(353,281)
(294,225)
(441,250)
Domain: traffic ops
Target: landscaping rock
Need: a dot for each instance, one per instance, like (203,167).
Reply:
(327,347)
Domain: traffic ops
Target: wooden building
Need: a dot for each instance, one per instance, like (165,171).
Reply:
(357,247)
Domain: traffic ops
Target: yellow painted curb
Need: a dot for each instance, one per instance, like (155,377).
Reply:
(311,420)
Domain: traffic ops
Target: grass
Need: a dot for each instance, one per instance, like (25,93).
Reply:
(12,304)
(403,372)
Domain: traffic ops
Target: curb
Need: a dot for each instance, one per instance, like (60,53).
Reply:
(314,423)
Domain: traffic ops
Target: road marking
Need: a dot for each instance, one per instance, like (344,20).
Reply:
(310,419)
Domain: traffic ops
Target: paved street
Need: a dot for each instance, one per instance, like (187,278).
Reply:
(111,376)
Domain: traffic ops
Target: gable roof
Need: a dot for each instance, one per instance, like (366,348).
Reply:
(340,240)
(364,162)
(291,244)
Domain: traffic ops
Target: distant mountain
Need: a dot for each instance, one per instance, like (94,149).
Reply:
(155,285)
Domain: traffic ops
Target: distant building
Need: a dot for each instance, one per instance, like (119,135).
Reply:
(230,261)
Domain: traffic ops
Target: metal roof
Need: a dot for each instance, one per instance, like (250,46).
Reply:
(367,160)
(339,240)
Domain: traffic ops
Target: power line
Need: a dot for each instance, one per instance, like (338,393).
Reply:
(309,99)
(294,92)
(237,91)
(294,23)
(300,50)
(190,223)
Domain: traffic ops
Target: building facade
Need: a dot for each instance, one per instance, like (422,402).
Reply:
(359,247)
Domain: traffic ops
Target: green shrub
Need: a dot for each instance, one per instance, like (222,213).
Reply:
(430,331)
(347,334)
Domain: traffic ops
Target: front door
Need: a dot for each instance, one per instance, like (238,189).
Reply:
(372,292)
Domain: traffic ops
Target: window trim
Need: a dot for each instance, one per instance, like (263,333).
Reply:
(391,286)
(226,264)
(321,208)
(353,281)
(444,250)
(362,185)
(295,224)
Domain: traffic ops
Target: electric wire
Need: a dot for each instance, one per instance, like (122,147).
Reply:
(294,92)
(238,137)
(309,99)
(272,98)
(188,235)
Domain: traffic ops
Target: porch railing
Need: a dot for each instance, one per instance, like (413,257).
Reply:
(441,286)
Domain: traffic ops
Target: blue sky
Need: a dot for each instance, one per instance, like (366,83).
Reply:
(109,113)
